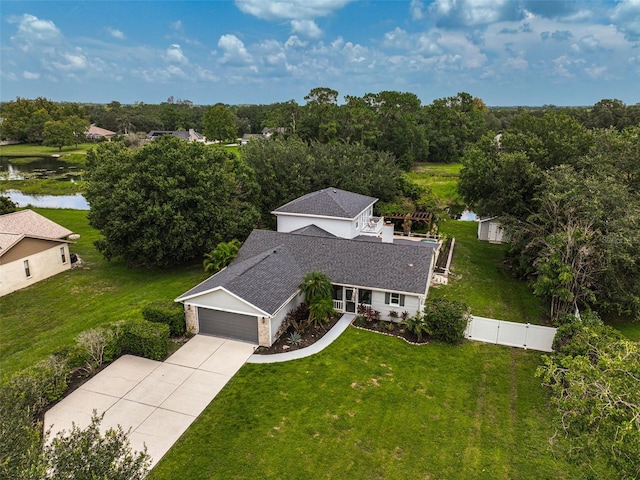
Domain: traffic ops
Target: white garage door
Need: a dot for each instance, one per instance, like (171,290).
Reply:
(228,325)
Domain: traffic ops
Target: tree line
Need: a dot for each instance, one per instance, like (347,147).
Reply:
(390,121)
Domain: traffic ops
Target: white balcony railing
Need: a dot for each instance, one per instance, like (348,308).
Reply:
(373,226)
(338,305)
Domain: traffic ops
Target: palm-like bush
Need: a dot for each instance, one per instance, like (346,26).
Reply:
(315,285)
(221,256)
(417,325)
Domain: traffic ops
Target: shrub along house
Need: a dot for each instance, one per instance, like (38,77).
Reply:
(32,248)
(332,231)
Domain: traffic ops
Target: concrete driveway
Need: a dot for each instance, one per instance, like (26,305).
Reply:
(157,400)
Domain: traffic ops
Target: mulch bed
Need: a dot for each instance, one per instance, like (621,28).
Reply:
(397,331)
(310,336)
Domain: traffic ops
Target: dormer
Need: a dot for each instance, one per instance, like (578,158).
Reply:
(344,214)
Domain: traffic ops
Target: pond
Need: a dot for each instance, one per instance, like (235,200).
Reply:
(77,201)
(16,168)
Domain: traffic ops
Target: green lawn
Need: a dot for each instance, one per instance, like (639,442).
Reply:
(374,407)
(479,279)
(441,179)
(50,314)
(37,150)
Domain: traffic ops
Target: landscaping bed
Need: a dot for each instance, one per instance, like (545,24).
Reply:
(392,329)
(308,336)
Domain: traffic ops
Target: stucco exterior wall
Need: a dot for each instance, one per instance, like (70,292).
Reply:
(343,228)
(277,319)
(43,264)
(412,304)
(191,318)
(223,300)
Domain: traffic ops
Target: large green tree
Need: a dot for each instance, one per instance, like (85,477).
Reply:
(219,124)
(168,202)
(58,133)
(288,168)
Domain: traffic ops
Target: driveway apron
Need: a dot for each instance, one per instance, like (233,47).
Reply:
(156,400)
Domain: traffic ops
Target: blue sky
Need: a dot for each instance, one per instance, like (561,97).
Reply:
(507,52)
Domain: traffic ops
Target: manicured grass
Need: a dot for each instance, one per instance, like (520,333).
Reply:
(441,179)
(50,314)
(374,407)
(479,279)
(36,150)
(43,187)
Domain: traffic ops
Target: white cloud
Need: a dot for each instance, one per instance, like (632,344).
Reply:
(294,42)
(71,62)
(174,54)
(116,33)
(307,28)
(235,53)
(177,25)
(33,31)
(30,75)
(468,13)
(626,17)
(290,9)
(417,9)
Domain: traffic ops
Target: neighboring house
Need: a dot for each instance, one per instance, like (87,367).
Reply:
(97,133)
(190,135)
(490,229)
(32,248)
(250,298)
(249,136)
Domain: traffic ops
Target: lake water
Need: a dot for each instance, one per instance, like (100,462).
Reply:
(77,201)
(12,168)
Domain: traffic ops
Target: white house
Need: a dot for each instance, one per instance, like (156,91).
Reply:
(249,299)
(32,248)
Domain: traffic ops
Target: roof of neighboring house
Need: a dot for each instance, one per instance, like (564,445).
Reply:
(329,202)
(27,223)
(271,265)
(99,132)
(186,135)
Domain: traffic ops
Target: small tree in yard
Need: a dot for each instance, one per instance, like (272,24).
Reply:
(86,454)
(94,342)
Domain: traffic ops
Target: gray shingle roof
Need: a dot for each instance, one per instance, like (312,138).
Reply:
(313,230)
(270,266)
(329,202)
(30,223)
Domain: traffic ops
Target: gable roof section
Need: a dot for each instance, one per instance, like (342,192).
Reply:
(314,231)
(329,202)
(30,223)
(27,223)
(265,280)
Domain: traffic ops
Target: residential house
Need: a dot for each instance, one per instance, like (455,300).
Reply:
(32,248)
(332,231)
(97,133)
(190,135)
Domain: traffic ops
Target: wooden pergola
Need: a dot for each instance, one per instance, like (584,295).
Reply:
(426,217)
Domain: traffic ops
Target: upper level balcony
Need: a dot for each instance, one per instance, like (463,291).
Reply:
(372,227)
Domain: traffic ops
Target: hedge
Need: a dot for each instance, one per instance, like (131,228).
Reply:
(145,339)
(169,313)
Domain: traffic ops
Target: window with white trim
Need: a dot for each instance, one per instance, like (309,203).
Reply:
(63,255)
(27,270)
(394,298)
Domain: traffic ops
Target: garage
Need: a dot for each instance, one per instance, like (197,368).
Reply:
(228,325)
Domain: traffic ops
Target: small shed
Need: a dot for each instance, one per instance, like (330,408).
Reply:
(490,230)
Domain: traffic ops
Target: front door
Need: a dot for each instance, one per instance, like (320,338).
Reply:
(351,300)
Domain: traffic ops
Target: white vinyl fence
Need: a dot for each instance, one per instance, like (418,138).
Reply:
(521,335)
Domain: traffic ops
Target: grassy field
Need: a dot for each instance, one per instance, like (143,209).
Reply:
(441,179)
(479,279)
(374,407)
(69,153)
(50,314)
